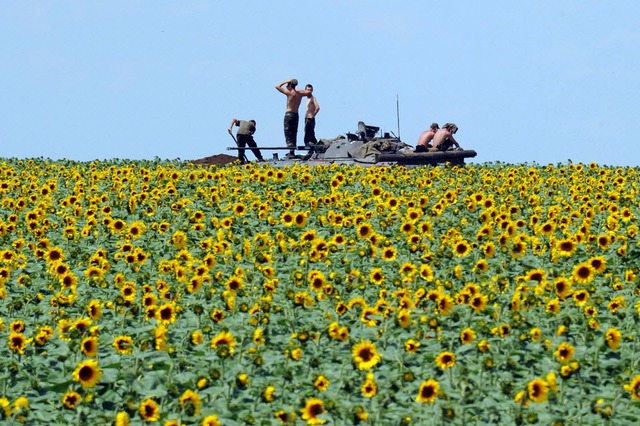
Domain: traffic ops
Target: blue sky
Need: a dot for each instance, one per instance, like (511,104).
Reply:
(526,81)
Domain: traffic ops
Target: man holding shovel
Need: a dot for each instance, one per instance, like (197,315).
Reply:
(245,132)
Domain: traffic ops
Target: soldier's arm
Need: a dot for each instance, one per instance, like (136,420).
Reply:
(280,89)
(233,123)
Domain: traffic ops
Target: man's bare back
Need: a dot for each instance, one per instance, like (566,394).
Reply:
(426,137)
(445,137)
(294,97)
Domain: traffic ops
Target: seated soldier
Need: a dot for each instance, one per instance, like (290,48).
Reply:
(444,140)
(424,141)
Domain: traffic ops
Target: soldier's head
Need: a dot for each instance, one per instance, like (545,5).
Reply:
(451,127)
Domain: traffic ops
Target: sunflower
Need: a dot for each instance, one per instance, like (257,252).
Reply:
(538,390)
(94,309)
(94,273)
(467,336)
(598,263)
(300,219)
(217,315)
(71,399)
(287,218)
(478,302)
(89,346)
(581,297)
(562,287)
(565,352)
(284,417)
(613,338)
(376,276)
(368,316)
(149,410)
(411,346)
(338,239)
(17,342)
(461,248)
(118,225)
(484,233)
(123,344)
(190,402)
(426,272)
(179,240)
(428,391)
(404,318)
(583,273)
(365,355)
(518,248)
(445,304)
(341,308)
(634,388)
(87,373)
(604,241)
(553,306)
(313,408)
(166,314)
(407,228)
(481,266)
(316,280)
(17,326)
(364,231)
(128,291)
(536,275)
(445,360)
(224,339)
(389,254)
(566,247)
(535,334)
(369,388)
(136,229)
(489,249)
(547,228)
(321,383)
(296,354)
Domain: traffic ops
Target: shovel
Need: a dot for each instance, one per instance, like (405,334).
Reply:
(243,156)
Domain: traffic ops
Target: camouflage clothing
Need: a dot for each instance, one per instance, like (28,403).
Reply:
(291,120)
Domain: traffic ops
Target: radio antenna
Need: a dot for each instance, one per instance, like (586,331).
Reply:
(398,113)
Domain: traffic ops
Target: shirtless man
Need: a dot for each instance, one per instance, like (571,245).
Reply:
(313,108)
(424,141)
(291,117)
(444,139)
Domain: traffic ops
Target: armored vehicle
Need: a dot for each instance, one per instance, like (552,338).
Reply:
(365,147)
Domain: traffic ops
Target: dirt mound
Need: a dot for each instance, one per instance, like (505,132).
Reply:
(217,160)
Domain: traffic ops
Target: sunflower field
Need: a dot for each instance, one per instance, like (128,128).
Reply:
(162,292)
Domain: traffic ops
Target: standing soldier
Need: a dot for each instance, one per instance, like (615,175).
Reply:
(313,108)
(291,117)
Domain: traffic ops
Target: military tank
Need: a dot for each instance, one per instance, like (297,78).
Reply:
(365,147)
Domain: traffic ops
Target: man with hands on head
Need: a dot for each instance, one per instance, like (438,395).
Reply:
(291,117)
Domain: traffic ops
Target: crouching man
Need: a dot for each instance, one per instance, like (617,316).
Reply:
(444,140)
(246,129)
